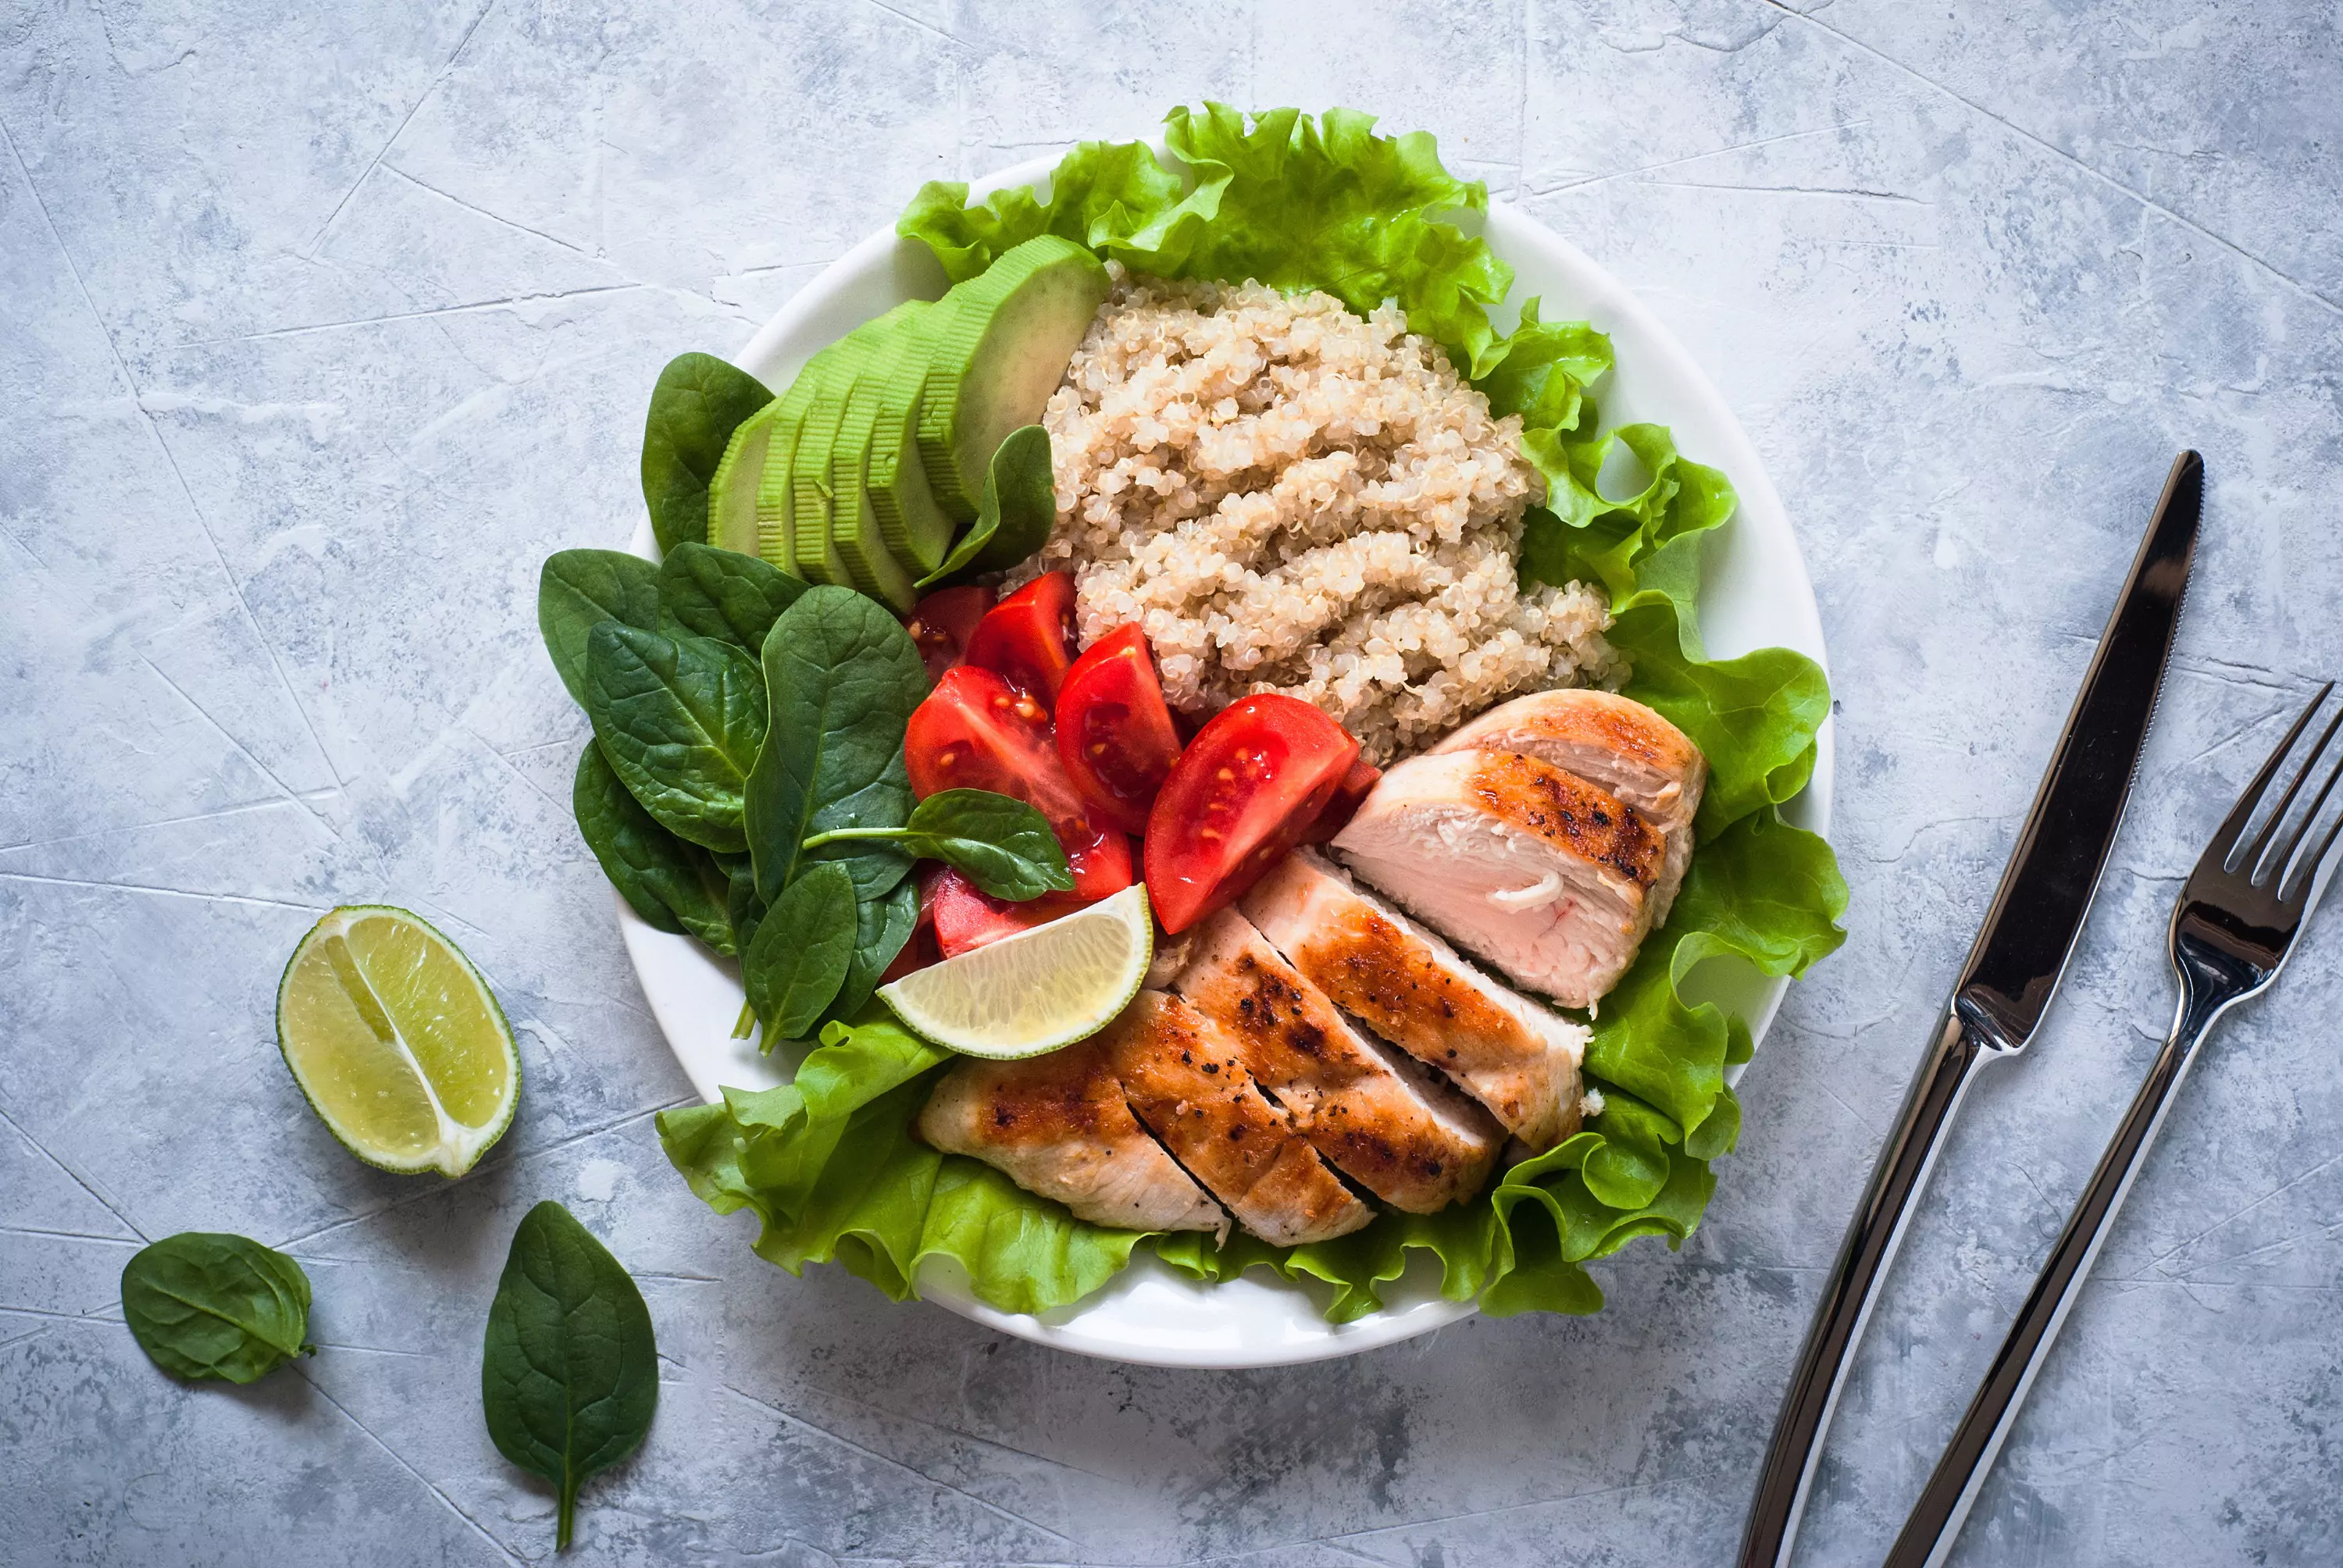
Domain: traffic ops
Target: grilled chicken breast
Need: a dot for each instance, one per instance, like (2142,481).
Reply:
(1532,869)
(1186,1079)
(1615,744)
(1058,1125)
(1395,1130)
(1514,1057)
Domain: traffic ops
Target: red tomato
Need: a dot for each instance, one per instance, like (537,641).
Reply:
(975,731)
(941,624)
(1099,859)
(1114,730)
(966,916)
(1028,638)
(1247,787)
(1345,803)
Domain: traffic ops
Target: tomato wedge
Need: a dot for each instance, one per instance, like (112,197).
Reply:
(1114,730)
(1345,804)
(965,917)
(1245,793)
(1028,638)
(975,731)
(941,624)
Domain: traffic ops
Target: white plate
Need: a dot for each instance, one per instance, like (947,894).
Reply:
(1755,594)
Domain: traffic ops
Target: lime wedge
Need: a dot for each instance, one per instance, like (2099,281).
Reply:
(1038,990)
(398,1041)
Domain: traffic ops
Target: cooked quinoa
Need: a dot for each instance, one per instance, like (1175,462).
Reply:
(1289,498)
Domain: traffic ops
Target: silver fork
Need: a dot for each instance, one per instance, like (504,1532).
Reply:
(2232,932)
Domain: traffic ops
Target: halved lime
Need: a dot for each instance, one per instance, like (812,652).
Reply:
(398,1041)
(1038,990)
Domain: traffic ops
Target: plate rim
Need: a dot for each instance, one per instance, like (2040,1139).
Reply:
(884,267)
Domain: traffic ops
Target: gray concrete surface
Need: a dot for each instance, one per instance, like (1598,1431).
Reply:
(321,325)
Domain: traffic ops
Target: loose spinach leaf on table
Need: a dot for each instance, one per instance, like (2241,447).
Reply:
(841,677)
(577,590)
(699,402)
(674,885)
(1014,518)
(569,1372)
(803,949)
(881,927)
(704,591)
(1004,845)
(680,720)
(203,1304)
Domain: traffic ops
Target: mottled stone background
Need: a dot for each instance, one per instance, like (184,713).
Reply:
(321,323)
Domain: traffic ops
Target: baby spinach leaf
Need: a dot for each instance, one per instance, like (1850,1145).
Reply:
(881,927)
(704,591)
(803,949)
(680,720)
(1013,519)
(674,885)
(699,402)
(1004,845)
(742,907)
(207,1305)
(570,1374)
(842,677)
(577,590)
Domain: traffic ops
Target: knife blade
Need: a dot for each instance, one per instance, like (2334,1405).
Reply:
(2005,985)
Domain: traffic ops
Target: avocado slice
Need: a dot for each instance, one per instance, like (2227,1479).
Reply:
(854,525)
(880,431)
(770,511)
(814,498)
(733,489)
(999,343)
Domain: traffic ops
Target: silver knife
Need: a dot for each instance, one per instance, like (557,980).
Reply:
(2005,986)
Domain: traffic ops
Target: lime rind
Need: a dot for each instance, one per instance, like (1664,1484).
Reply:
(1035,992)
(460,1145)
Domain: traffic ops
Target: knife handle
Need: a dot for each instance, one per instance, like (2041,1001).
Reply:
(1936,1523)
(1870,1246)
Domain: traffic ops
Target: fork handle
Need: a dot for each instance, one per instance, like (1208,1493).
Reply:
(1872,1239)
(1936,1523)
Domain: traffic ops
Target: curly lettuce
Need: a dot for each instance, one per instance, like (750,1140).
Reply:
(827,1163)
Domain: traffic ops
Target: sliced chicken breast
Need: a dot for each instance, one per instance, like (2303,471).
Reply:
(1186,1079)
(1516,1058)
(1532,869)
(1058,1125)
(1617,744)
(1398,1131)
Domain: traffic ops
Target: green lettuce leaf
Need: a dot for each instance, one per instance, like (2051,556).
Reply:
(829,1163)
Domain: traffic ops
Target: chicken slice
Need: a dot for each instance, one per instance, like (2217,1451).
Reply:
(1516,1058)
(1058,1125)
(1184,1077)
(1397,1130)
(1532,869)
(1614,743)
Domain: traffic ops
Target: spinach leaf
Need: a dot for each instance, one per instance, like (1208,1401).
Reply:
(704,591)
(1004,845)
(680,720)
(208,1305)
(1013,519)
(674,885)
(842,677)
(570,1374)
(881,927)
(803,949)
(699,402)
(577,590)
(742,907)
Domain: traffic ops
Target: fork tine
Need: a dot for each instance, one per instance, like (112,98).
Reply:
(2234,828)
(2305,869)
(2253,855)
